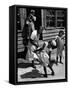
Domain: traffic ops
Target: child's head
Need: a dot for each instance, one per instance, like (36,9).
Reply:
(49,44)
(61,33)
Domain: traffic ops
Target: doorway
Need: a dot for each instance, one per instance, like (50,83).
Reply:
(38,17)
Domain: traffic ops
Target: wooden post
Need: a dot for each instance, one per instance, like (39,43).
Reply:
(42,17)
(23,16)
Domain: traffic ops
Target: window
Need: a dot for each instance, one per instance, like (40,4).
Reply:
(59,18)
(50,18)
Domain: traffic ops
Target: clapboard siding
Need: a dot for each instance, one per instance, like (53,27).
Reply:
(20,38)
(47,35)
(19,31)
(20,50)
(20,42)
(51,34)
(23,14)
(20,46)
(19,34)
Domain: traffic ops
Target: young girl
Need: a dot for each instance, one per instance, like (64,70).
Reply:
(60,46)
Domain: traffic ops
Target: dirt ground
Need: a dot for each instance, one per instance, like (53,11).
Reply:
(27,73)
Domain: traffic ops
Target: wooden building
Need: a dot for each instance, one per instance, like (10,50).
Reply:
(52,20)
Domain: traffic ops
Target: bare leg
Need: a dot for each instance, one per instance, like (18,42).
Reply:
(61,59)
(45,75)
(57,60)
(51,70)
(33,64)
(49,56)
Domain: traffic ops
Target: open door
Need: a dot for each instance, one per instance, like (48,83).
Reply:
(38,17)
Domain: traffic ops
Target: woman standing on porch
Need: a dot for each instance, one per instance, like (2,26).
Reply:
(27,30)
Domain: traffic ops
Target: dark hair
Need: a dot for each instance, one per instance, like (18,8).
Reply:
(32,12)
(49,43)
(30,18)
(61,33)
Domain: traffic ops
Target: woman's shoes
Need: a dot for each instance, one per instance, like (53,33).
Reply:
(52,73)
(45,75)
(61,62)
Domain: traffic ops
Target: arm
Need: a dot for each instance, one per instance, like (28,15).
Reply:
(32,42)
(63,37)
(40,49)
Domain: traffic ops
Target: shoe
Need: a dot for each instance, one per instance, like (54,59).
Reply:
(52,73)
(61,62)
(34,66)
(56,63)
(45,75)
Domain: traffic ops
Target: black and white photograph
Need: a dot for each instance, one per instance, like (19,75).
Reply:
(40,44)
(41,37)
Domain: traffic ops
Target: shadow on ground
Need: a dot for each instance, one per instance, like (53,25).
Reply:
(32,74)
